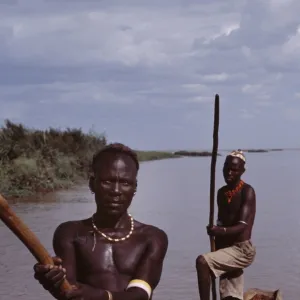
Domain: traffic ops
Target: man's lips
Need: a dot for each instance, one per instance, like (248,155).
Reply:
(114,203)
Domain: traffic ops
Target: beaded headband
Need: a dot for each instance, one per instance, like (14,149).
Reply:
(238,153)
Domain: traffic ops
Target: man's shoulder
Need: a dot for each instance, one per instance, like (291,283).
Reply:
(68,228)
(248,194)
(248,187)
(151,231)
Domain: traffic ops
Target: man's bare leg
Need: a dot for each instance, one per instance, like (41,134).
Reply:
(204,278)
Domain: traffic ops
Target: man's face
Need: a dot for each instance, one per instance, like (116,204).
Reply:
(233,170)
(114,183)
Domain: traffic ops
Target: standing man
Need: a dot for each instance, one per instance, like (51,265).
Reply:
(236,213)
(109,256)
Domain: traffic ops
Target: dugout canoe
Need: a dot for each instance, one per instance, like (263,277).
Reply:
(258,294)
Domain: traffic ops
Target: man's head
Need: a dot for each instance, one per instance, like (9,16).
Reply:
(114,180)
(234,167)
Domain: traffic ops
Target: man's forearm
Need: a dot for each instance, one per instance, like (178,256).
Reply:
(135,294)
(92,293)
(233,230)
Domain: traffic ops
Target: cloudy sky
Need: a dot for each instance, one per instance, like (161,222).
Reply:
(146,72)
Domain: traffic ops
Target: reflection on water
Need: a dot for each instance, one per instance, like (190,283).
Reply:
(174,195)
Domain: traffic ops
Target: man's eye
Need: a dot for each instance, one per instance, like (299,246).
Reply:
(106,182)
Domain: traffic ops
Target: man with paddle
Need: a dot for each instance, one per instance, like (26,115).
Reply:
(234,250)
(109,256)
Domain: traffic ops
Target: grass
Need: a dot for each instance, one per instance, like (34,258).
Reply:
(35,161)
(194,153)
(154,155)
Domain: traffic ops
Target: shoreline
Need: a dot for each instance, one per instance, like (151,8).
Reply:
(254,150)
(184,153)
(36,162)
(262,150)
(34,194)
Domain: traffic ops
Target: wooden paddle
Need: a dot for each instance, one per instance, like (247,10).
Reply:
(29,239)
(212,182)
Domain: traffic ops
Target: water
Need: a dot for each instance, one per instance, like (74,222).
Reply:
(174,195)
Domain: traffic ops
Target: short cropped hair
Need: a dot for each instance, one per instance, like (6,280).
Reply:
(114,148)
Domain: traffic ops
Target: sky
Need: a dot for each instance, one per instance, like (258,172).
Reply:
(145,73)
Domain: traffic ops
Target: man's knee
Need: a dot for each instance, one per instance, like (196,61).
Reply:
(201,263)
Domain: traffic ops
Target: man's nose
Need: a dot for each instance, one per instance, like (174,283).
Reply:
(116,187)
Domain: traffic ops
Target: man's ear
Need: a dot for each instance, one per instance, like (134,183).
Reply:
(91,183)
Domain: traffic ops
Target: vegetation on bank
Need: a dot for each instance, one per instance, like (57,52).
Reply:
(194,153)
(261,150)
(33,161)
(154,155)
(256,150)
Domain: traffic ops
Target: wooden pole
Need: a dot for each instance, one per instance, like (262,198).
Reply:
(212,182)
(28,238)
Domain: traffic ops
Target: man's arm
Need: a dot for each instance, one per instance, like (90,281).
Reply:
(63,245)
(150,268)
(219,222)
(246,211)
(218,240)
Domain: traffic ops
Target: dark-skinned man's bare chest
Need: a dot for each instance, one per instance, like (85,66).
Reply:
(100,261)
(229,211)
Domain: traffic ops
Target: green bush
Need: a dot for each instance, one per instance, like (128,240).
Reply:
(35,160)
(39,161)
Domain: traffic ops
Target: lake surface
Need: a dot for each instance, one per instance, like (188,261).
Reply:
(174,195)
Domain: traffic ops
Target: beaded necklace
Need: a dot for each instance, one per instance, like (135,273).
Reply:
(229,194)
(114,240)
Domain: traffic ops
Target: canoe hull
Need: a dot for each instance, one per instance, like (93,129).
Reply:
(258,294)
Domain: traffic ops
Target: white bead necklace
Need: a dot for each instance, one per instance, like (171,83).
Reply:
(115,240)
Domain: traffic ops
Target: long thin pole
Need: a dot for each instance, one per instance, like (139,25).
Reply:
(212,181)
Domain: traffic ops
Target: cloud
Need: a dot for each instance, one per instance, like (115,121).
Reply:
(122,66)
(251,88)
(244,114)
(215,77)
(292,114)
(138,35)
(200,99)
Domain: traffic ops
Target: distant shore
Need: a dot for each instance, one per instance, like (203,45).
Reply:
(35,162)
(261,150)
(208,154)
(193,153)
(40,161)
(154,155)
